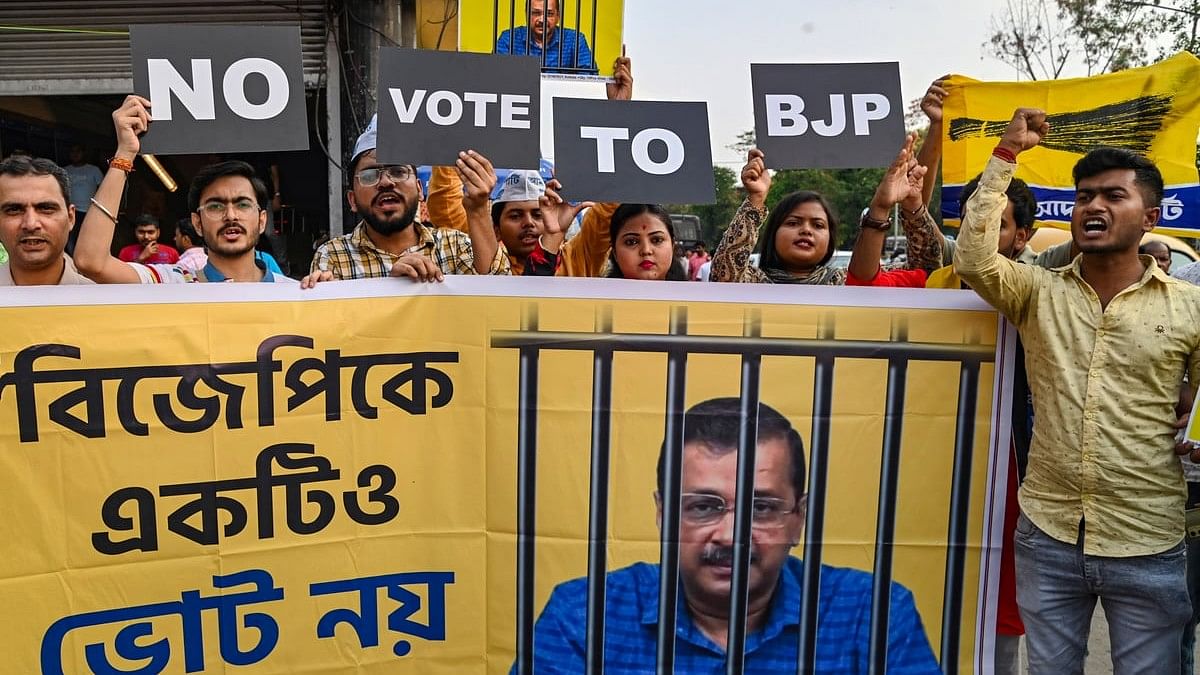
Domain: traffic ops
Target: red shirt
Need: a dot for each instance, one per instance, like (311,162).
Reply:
(165,255)
(897,278)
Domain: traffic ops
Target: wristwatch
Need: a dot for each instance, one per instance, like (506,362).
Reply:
(869,223)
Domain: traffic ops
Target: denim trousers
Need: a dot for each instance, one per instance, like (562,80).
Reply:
(1187,655)
(1145,600)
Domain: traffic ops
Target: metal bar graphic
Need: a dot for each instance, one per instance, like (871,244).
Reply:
(751,347)
(885,528)
(814,526)
(739,584)
(714,344)
(960,500)
(562,39)
(668,581)
(527,397)
(598,506)
(593,64)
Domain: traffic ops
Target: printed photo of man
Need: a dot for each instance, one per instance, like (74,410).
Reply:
(563,50)
(706,549)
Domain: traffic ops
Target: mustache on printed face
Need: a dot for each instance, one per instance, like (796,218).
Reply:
(722,556)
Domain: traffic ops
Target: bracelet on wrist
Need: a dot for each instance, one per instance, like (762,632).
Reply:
(869,223)
(121,164)
(103,210)
(1005,154)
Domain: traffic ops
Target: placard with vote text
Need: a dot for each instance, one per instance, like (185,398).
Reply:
(432,105)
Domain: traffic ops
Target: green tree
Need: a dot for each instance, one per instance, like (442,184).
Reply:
(848,191)
(715,217)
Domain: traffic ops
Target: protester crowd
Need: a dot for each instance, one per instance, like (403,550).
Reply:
(1110,341)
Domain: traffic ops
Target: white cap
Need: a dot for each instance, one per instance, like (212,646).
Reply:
(366,141)
(520,186)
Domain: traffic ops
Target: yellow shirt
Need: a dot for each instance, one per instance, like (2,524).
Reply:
(944,277)
(1104,382)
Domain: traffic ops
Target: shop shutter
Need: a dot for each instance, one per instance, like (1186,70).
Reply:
(83,48)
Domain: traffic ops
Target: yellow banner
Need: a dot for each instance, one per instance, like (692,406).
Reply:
(1153,110)
(342,481)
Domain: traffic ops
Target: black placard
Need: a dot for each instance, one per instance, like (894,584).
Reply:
(220,88)
(633,151)
(827,115)
(433,104)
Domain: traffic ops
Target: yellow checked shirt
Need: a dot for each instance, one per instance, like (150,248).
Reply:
(355,256)
(1104,382)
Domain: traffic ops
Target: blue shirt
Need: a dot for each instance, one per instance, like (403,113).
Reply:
(567,38)
(269,260)
(213,274)
(843,628)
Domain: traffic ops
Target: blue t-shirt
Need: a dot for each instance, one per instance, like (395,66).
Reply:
(843,628)
(562,41)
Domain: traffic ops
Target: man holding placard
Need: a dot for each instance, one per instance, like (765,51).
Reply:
(227,202)
(389,240)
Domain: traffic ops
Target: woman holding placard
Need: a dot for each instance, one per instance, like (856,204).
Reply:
(801,231)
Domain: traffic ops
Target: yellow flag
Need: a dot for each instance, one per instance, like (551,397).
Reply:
(1153,110)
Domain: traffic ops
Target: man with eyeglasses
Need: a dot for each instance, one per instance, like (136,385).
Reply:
(709,477)
(563,50)
(391,241)
(226,201)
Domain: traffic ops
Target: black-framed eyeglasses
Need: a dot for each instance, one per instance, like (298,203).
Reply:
(701,510)
(398,174)
(215,210)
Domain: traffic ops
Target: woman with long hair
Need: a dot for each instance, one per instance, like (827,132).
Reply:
(801,232)
(643,244)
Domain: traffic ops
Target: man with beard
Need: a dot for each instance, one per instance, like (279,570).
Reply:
(1108,340)
(227,203)
(532,221)
(709,478)
(389,240)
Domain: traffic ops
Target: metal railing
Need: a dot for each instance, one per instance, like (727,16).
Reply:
(677,344)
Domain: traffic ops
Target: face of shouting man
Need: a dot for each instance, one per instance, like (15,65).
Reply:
(386,197)
(229,217)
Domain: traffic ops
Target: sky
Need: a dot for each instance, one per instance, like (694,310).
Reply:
(701,50)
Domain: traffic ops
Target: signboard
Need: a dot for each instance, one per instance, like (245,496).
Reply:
(633,151)
(827,115)
(220,88)
(432,105)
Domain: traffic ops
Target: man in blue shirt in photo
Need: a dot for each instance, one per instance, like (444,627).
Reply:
(563,50)
(705,569)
